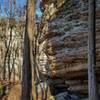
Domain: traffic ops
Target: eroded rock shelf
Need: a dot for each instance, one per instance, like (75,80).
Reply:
(64,35)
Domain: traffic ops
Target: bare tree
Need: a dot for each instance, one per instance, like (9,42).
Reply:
(93,94)
(27,56)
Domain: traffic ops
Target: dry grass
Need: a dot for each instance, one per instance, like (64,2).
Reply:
(15,93)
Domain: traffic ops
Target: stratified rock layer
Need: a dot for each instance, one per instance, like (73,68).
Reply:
(63,41)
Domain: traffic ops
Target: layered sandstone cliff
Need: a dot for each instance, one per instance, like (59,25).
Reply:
(63,42)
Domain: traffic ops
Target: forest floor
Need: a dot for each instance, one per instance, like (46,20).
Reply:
(15,93)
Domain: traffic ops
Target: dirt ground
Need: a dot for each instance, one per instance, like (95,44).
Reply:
(15,93)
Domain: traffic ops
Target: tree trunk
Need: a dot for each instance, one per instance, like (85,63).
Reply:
(27,56)
(92,86)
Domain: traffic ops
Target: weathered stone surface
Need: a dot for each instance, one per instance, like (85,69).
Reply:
(66,96)
(64,34)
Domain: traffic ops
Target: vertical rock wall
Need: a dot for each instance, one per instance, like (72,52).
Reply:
(64,34)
